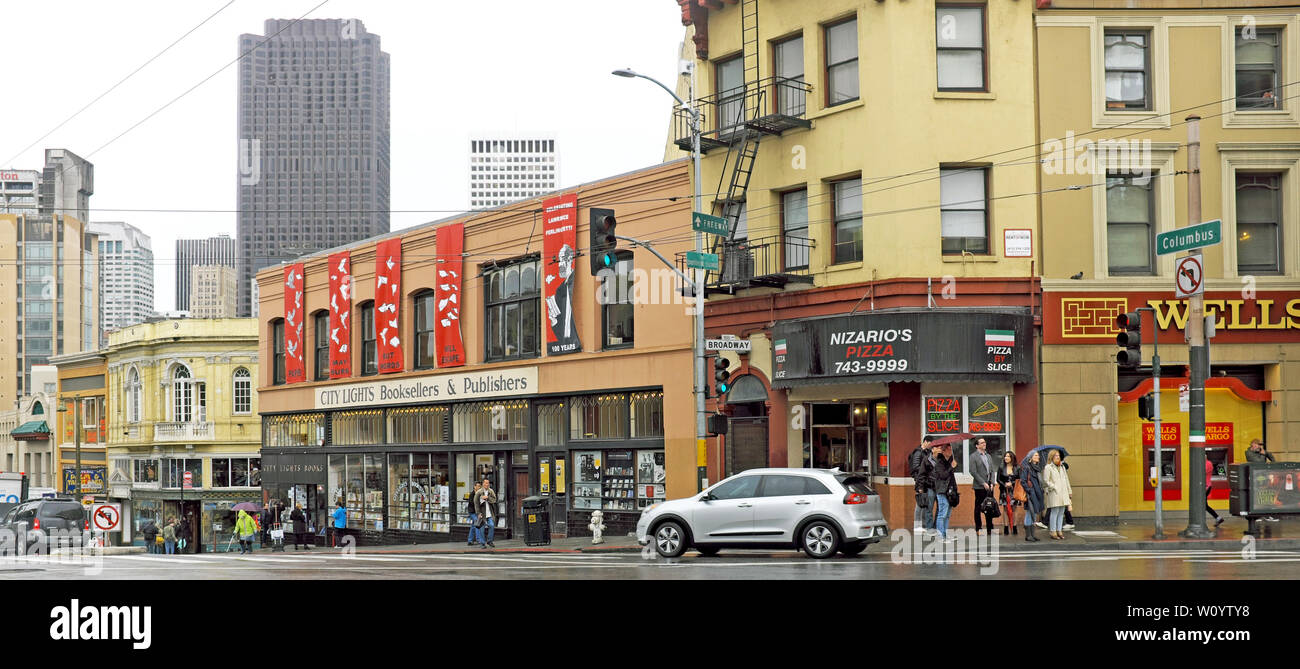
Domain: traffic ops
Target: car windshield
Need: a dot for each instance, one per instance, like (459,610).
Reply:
(855,484)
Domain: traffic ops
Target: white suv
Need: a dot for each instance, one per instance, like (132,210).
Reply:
(819,511)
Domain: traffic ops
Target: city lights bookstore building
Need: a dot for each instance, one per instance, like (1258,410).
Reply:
(481,351)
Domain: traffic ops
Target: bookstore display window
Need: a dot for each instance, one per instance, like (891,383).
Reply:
(357,428)
(419,425)
(650,478)
(357,481)
(587,488)
(294,430)
(418,492)
(471,467)
(616,479)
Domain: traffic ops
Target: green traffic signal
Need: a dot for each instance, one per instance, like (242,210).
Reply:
(721,375)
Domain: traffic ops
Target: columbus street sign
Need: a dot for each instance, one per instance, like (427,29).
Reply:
(1191,237)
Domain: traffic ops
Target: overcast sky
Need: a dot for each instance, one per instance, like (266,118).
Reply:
(457,68)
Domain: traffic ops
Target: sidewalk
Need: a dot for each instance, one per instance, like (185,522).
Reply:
(612,544)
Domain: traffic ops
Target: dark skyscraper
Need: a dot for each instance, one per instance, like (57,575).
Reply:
(313,142)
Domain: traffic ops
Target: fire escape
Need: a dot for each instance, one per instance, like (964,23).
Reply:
(740,118)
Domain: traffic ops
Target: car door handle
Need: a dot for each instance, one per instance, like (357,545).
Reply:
(744,506)
(803,501)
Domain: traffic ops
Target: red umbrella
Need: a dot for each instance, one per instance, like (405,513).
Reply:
(952,439)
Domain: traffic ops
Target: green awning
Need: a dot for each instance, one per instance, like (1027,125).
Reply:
(31,430)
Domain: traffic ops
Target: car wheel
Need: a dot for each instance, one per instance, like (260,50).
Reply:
(670,539)
(819,540)
(708,551)
(854,549)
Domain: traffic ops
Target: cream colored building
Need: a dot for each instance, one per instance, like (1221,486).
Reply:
(213,292)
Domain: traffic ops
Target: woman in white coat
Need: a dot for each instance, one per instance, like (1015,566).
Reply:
(1056,485)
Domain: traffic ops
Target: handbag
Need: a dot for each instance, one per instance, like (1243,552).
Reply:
(922,500)
(954,496)
(990,507)
(1018,493)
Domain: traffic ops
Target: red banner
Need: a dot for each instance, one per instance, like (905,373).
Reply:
(295,367)
(559,251)
(451,261)
(340,266)
(388,298)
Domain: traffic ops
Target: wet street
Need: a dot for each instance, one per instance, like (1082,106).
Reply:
(743,565)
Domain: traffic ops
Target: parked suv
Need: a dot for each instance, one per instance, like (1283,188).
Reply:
(39,516)
(818,511)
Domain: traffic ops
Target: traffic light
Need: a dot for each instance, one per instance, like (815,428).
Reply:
(721,375)
(1147,407)
(1130,339)
(602,242)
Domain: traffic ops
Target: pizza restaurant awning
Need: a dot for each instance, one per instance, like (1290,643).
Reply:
(32,430)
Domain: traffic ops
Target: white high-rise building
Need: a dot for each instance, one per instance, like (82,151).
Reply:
(125,277)
(508,168)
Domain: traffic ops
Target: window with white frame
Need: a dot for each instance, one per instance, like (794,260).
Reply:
(133,395)
(1130,224)
(182,387)
(963,210)
(959,39)
(1258,66)
(1128,69)
(243,391)
(1259,223)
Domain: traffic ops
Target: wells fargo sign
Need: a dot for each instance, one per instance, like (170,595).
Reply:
(1171,435)
(1089,318)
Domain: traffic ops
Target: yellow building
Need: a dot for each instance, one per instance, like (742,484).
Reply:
(184,432)
(81,381)
(854,150)
(1116,84)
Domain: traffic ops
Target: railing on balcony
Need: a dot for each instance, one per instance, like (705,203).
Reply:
(769,106)
(772,262)
(182,432)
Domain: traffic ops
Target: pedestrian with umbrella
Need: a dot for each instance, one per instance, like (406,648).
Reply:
(244,529)
(1031,481)
(1059,497)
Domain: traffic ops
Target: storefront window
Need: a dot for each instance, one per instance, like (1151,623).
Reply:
(650,477)
(478,422)
(337,482)
(218,524)
(550,425)
(464,486)
(146,471)
(981,415)
(143,511)
(433,513)
(598,417)
(355,491)
(400,491)
(236,472)
(586,480)
(831,434)
(294,430)
(374,490)
(418,425)
(357,428)
(647,414)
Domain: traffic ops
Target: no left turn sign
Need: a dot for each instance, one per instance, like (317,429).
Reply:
(106,517)
(1189,277)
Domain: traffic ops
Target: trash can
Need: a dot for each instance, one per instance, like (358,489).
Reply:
(537,521)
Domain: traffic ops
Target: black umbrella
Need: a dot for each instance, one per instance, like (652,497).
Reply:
(1044,457)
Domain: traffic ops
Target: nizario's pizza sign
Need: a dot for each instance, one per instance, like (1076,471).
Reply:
(1089,318)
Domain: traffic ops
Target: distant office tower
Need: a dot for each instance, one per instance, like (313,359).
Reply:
(219,250)
(54,259)
(213,291)
(125,276)
(18,189)
(313,142)
(503,169)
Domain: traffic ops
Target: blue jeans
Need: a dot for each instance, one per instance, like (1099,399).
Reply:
(925,517)
(941,520)
(170,545)
(490,528)
(474,533)
(1031,510)
(1056,519)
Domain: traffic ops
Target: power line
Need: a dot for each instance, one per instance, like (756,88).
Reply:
(119,83)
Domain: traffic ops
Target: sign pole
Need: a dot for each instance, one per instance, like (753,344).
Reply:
(1198,355)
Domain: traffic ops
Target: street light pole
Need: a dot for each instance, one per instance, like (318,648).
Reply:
(701,434)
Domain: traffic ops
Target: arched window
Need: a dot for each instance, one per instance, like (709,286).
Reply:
(182,395)
(133,396)
(37,409)
(243,391)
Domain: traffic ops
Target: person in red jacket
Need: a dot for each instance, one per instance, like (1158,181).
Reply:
(1209,470)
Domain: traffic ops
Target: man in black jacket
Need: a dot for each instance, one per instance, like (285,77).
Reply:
(923,517)
(942,468)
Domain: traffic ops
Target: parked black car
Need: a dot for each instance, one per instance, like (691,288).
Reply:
(39,517)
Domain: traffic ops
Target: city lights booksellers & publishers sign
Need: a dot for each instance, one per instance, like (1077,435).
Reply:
(439,388)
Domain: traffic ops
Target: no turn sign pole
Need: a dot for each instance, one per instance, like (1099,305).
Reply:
(106,517)
(1189,277)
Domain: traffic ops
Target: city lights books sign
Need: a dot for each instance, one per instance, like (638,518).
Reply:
(905,345)
(435,388)
(559,252)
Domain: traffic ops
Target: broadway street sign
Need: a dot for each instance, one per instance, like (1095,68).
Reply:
(1191,237)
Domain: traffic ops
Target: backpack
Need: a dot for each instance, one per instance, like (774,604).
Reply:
(914,462)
